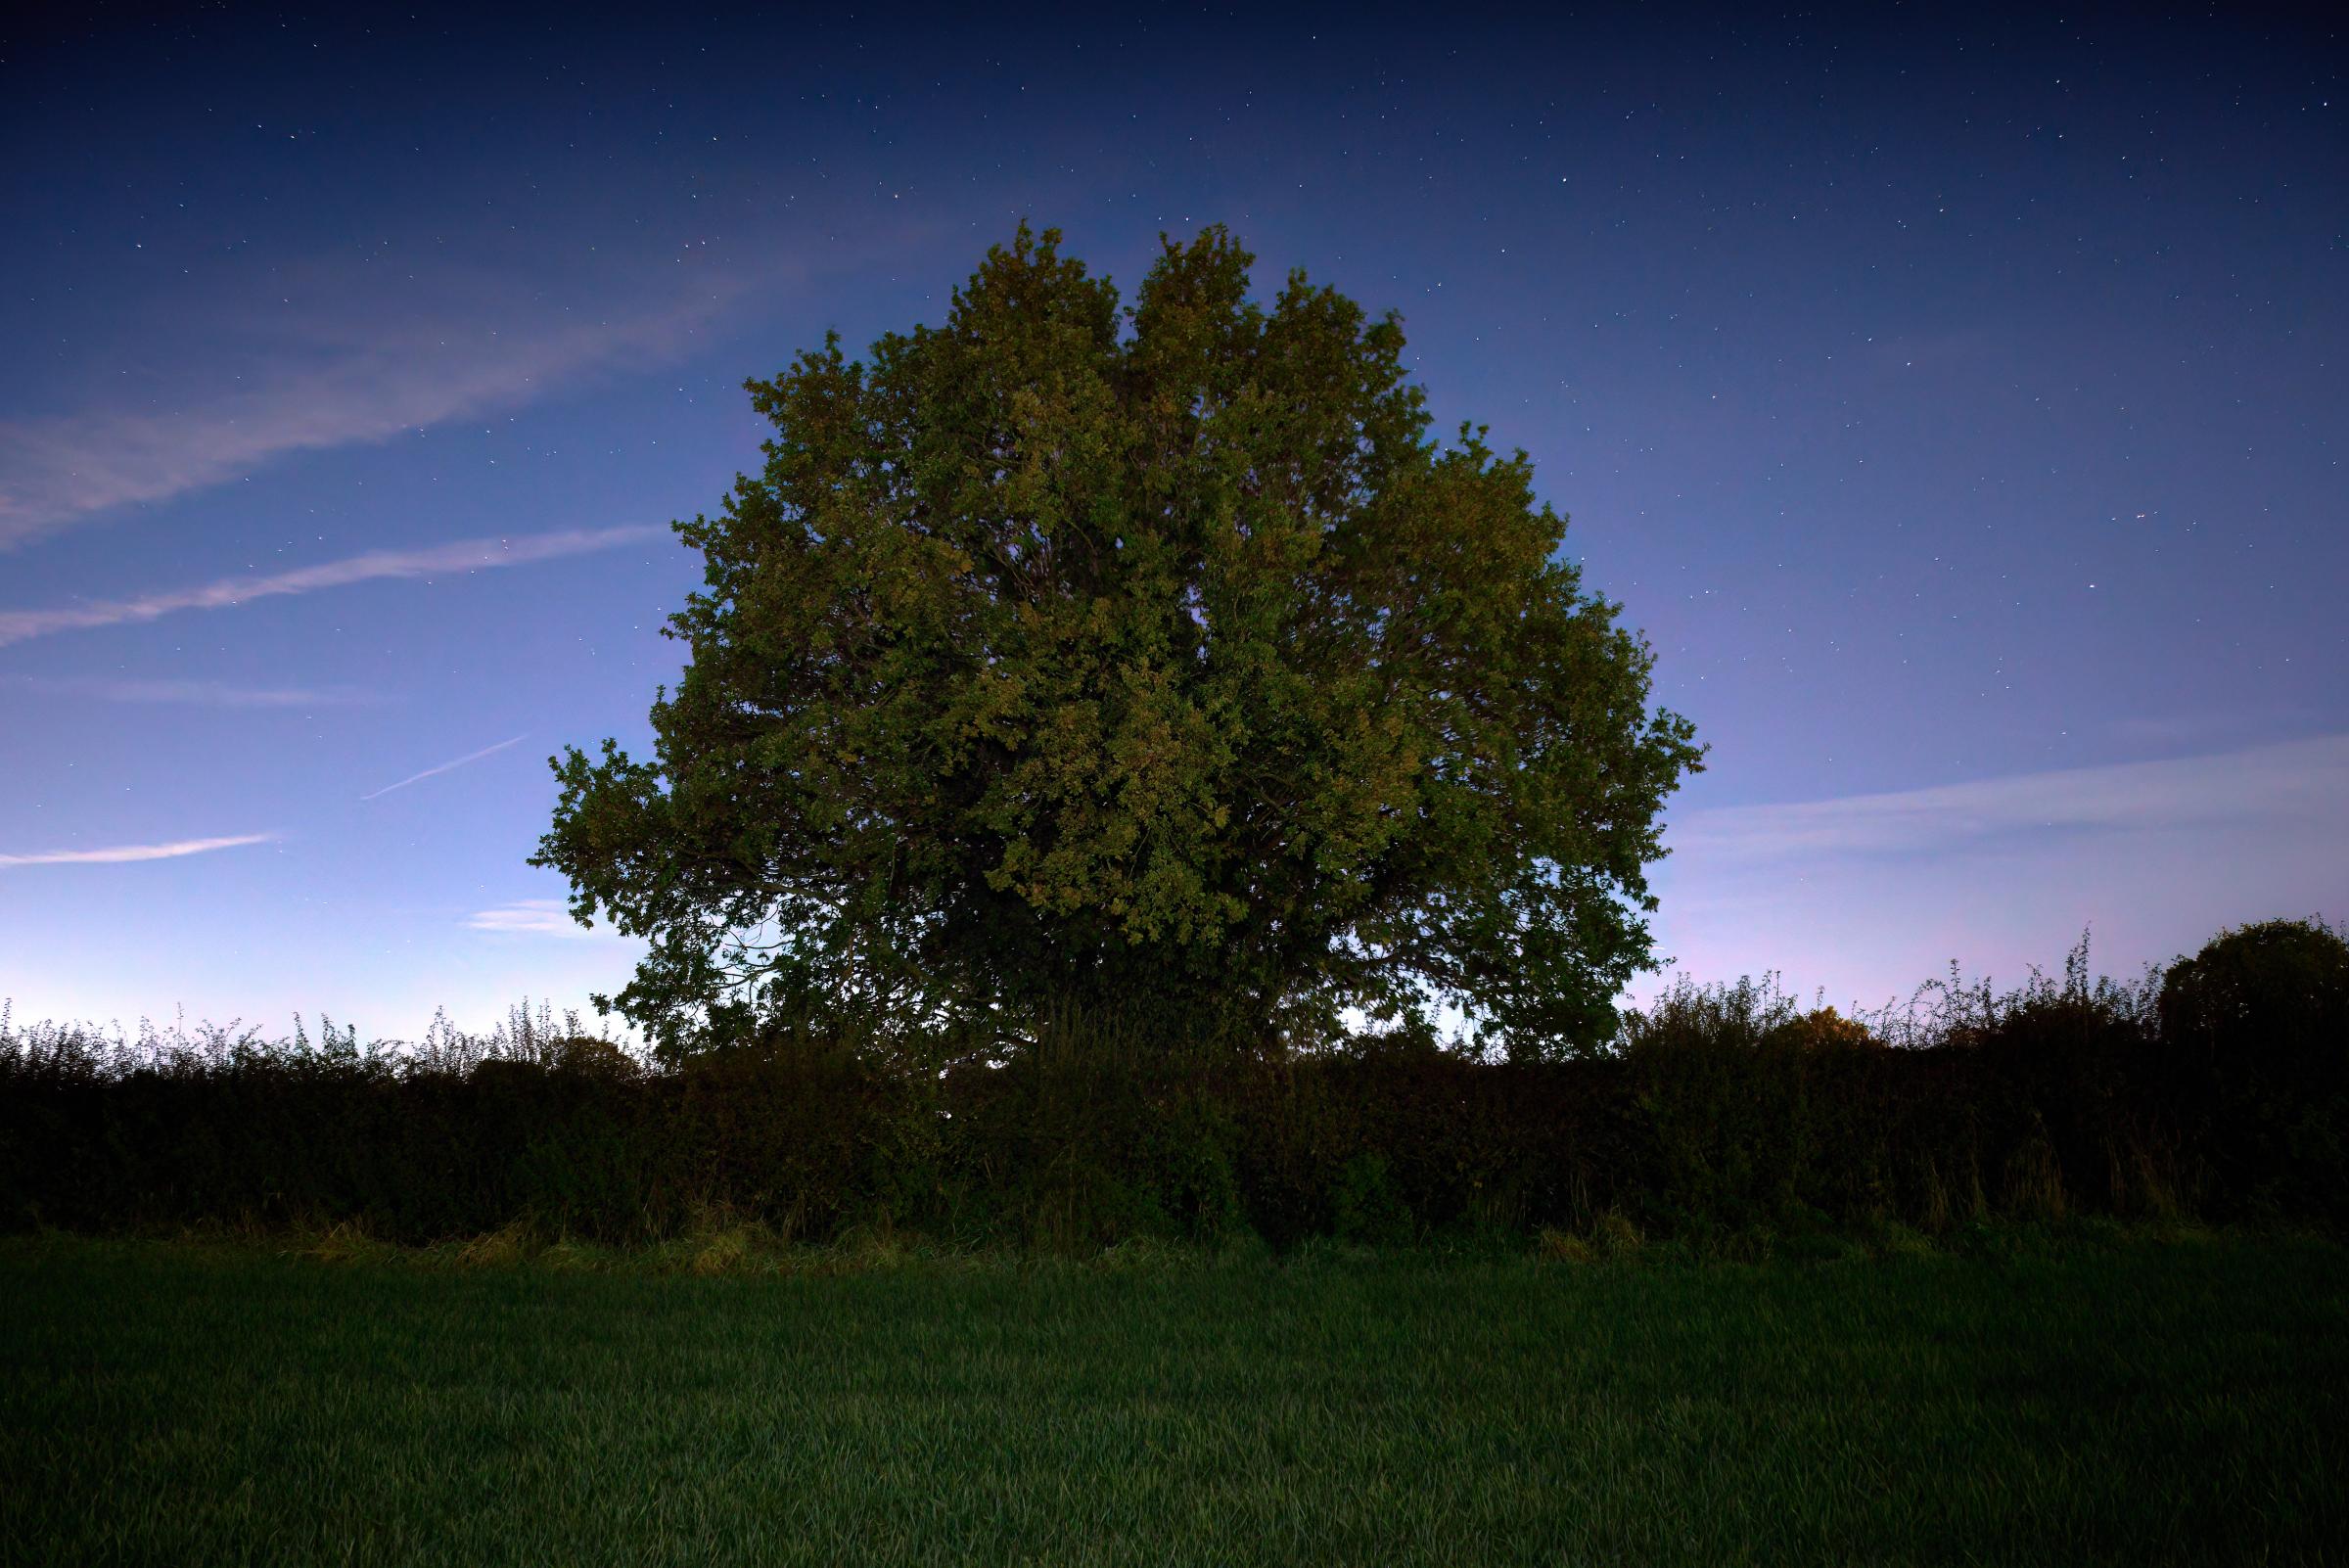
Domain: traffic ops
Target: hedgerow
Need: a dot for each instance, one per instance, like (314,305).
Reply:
(2217,1089)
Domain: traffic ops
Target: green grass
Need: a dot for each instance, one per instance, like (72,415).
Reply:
(2134,1401)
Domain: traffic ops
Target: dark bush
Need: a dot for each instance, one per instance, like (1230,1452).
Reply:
(2255,1033)
(2264,1002)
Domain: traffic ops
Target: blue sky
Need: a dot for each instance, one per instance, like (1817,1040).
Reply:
(1956,401)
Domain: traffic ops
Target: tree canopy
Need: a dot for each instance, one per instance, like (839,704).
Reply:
(1071,653)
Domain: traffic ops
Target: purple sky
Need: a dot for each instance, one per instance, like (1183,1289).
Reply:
(1958,402)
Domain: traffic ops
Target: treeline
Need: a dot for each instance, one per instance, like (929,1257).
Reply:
(2219,1090)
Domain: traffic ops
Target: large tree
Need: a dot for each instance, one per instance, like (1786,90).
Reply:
(1152,658)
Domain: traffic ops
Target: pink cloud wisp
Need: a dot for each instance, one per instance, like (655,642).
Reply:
(125,853)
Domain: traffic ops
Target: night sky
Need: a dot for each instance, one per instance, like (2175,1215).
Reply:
(1956,400)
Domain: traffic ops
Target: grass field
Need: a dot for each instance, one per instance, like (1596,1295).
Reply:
(2182,1401)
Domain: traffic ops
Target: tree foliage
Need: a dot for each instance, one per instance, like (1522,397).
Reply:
(1070,655)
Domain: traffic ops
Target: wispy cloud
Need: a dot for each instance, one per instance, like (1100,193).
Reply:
(2268,783)
(196,693)
(121,853)
(62,468)
(445,767)
(536,917)
(464,555)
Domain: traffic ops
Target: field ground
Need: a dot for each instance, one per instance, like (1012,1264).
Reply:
(2139,1400)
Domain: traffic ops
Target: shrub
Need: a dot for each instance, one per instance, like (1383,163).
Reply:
(2267,1001)
(1823,1029)
(2255,1030)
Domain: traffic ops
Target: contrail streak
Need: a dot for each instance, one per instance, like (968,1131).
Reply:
(469,757)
